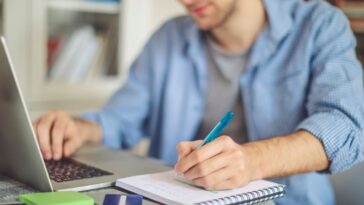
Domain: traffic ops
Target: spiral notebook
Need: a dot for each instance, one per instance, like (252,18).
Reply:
(163,187)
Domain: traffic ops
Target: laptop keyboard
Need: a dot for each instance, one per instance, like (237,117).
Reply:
(69,170)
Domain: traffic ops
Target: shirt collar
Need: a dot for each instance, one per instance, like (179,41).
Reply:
(279,14)
(194,49)
(280,22)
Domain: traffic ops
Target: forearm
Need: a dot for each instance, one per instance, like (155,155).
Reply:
(295,153)
(90,131)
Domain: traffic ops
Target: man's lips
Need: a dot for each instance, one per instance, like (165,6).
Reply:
(199,10)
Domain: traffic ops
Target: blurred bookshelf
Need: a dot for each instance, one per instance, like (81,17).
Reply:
(354,10)
(81,47)
(76,52)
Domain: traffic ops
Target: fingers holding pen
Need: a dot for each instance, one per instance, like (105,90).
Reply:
(186,147)
(208,166)
(198,155)
(220,164)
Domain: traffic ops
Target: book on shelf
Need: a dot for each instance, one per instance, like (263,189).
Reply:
(54,47)
(96,67)
(74,46)
(357,25)
(84,55)
(341,3)
(108,52)
(85,59)
(110,62)
(352,8)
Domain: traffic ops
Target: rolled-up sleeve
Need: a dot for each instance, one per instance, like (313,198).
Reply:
(335,102)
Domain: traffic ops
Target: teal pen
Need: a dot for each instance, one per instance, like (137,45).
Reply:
(219,127)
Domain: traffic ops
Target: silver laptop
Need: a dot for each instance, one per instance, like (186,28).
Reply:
(20,156)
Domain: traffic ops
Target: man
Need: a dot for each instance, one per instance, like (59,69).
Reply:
(288,70)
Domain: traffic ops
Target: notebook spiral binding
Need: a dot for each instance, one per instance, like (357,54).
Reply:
(250,197)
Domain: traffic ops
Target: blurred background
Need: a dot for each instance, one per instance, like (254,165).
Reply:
(73,54)
(354,10)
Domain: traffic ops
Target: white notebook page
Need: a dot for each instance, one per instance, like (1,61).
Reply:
(164,188)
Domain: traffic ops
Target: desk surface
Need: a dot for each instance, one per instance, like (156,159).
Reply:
(114,157)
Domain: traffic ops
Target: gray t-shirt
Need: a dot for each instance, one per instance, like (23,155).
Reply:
(223,94)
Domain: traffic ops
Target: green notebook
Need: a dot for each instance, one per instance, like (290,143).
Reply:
(56,198)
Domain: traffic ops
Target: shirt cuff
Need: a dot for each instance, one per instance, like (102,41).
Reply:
(108,139)
(340,139)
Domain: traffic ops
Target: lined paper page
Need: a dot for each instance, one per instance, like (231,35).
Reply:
(164,188)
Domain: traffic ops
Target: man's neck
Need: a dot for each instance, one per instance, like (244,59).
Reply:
(242,28)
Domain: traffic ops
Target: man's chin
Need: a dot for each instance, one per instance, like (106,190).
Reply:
(205,26)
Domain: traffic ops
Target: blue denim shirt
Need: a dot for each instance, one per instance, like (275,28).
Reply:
(302,74)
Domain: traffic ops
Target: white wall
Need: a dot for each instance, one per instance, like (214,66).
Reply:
(164,10)
(17,28)
(1,17)
(149,15)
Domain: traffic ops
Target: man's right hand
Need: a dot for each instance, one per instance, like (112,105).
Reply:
(59,134)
